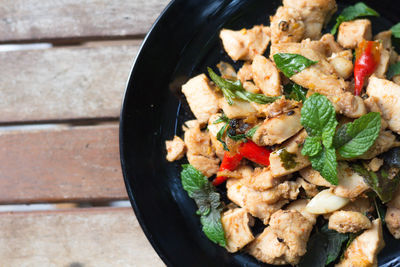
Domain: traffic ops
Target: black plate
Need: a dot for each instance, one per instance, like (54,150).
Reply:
(181,44)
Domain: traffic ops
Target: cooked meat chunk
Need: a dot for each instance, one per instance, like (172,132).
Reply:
(385,141)
(242,172)
(310,189)
(348,104)
(393,221)
(175,148)
(314,177)
(385,38)
(383,62)
(342,64)
(236,227)
(227,70)
(388,97)
(348,222)
(199,151)
(363,251)
(351,184)
(361,205)
(351,33)
(279,107)
(239,109)
(201,97)
(284,241)
(251,87)
(286,26)
(288,158)
(266,76)
(371,103)
(278,129)
(300,206)
(213,130)
(375,164)
(315,14)
(246,43)
(330,43)
(261,179)
(245,73)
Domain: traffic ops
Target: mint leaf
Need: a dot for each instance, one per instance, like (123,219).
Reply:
(394,69)
(396,31)
(325,163)
(207,200)
(291,64)
(312,146)
(355,138)
(234,90)
(352,12)
(295,92)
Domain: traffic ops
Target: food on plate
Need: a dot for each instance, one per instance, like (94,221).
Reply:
(303,138)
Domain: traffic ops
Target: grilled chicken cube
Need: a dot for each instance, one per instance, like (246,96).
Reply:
(245,73)
(261,179)
(266,76)
(393,215)
(239,109)
(201,97)
(351,184)
(287,26)
(300,206)
(246,43)
(351,33)
(342,64)
(383,65)
(364,249)
(235,223)
(331,45)
(314,177)
(176,148)
(348,222)
(284,241)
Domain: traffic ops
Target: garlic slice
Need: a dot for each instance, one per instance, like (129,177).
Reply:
(326,202)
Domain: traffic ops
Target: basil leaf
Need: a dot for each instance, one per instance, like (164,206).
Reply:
(393,70)
(220,135)
(291,64)
(252,131)
(237,137)
(222,118)
(234,90)
(380,209)
(396,31)
(352,12)
(335,243)
(208,202)
(382,181)
(325,163)
(295,92)
(355,138)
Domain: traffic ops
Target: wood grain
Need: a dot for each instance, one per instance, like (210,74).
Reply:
(64,83)
(68,20)
(61,165)
(87,237)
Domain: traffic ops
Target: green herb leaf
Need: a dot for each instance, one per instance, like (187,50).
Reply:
(222,118)
(384,182)
(335,243)
(312,146)
(325,162)
(291,64)
(237,137)
(396,31)
(288,159)
(393,70)
(252,131)
(295,92)
(208,202)
(234,90)
(355,138)
(220,135)
(380,209)
(352,12)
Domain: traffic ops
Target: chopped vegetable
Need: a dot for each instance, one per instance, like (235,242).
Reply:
(352,12)
(291,64)
(208,201)
(393,70)
(229,162)
(367,60)
(295,92)
(255,153)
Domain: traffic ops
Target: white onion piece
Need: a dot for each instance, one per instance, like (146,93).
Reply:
(326,202)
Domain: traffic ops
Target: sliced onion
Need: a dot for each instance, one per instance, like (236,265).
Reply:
(326,202)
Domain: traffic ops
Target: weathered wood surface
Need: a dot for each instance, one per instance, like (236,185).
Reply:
(64,83)
(61,165)
(72,20)
(80,237)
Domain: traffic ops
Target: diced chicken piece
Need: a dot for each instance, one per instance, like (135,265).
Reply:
(393,221)
(252,88)
(386,39)
(314,177)
(348,222)
(351,184)
(266,76)
(286,26)
(388,95)
(371,103)
(199,151)
(300,206)
(261,179)
(279,107)
(245,73)
(246,43)
(227,71)
(383,63)
(348,104)
(315,14)
(385,141)
(351,33)
(361,205)
(310,189)
(375,164)
(343,65)
(363,251)
(243,172)
(175,148)
(332,46)
(201,97)
(238,234)
(213,130)
(317,46)
(289,155)
(239,109)
(278,129)
(284,241)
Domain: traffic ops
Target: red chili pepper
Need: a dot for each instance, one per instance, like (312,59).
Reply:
(255,153)
(367,59)
(229,162)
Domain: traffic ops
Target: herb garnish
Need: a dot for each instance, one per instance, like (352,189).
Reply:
(396,30)
(291,64)
(352,12)
(288,159)
(393,70)
(295,92)
(208,201)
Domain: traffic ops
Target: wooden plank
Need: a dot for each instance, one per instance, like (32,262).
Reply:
(61,165)
(80,237)
(64,83)
(69,20)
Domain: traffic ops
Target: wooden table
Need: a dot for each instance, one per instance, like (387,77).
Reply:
(59,110)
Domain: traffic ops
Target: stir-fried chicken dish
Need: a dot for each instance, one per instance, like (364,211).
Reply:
(303,138)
